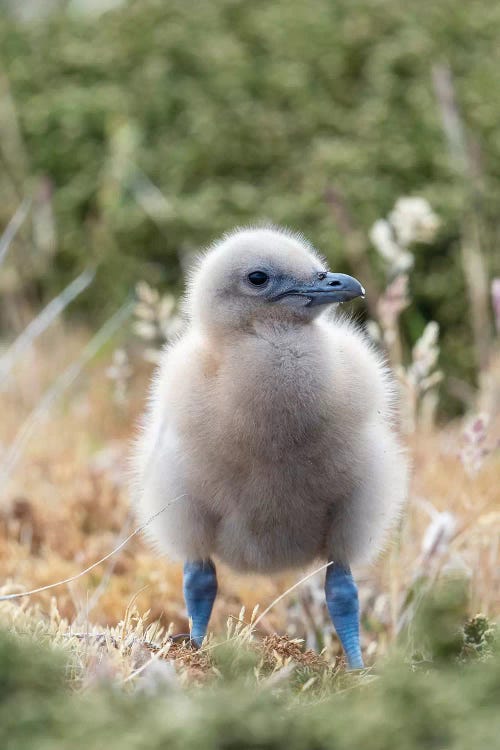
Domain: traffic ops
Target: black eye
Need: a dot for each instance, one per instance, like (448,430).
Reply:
(258,278)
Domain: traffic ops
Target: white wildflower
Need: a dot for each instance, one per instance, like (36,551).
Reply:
(420,377)
(438,534)
(144,311)
(156,320)
(166,307)
(425,354)
(413,220)
(382,237)
(146,294)
(145,330)
(120,373)
(383,240)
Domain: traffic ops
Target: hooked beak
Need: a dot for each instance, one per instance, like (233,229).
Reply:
(327,288)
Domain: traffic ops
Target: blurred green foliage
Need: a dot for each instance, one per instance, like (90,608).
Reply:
(448,704)
(239,112)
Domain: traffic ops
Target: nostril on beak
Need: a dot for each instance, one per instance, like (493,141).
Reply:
(334,283)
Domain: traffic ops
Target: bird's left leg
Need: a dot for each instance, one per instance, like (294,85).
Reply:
(343,605)
(200,590)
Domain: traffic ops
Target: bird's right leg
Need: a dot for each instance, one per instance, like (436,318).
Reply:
(200,590)
(342,601)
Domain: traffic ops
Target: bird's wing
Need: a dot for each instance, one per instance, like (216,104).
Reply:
(157,435)
(361,368)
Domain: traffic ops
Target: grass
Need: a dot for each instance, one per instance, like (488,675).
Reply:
(269,695)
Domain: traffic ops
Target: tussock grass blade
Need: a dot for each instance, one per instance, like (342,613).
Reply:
(63,382)
(43,320)
(13,228)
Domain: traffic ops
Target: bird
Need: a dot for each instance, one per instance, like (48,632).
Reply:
(272,421)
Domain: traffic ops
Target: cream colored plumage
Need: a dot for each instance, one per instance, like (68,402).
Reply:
(272,419)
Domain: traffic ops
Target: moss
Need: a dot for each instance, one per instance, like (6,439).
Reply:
(450,705)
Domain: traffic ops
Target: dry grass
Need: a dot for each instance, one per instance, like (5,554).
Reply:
(66,505)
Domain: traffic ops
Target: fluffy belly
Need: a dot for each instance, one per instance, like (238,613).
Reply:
(272,508)
(271,542)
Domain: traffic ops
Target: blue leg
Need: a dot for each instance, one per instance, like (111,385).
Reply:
(200,589)
(342,601)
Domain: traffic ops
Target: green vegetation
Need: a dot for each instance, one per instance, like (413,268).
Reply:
(239,112)
(450,702)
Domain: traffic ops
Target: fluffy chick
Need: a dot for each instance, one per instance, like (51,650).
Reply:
(269,420)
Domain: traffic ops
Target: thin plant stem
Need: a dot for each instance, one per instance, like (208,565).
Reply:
(13,228)
(43,320)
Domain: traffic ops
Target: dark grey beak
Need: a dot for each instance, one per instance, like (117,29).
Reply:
(328,288)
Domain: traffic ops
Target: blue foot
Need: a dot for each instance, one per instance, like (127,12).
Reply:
(200,589)
(342,601)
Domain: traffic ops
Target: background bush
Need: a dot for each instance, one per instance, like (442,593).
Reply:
(239,112)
